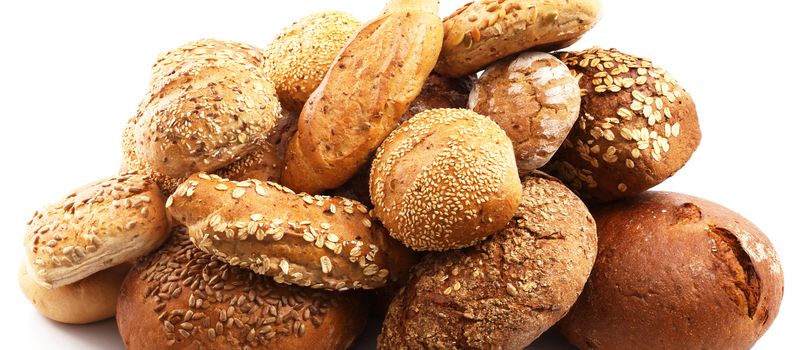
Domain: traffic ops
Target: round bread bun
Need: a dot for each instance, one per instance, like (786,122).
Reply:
(676,272)
(88,300)
(506,291)
(535,99)
(183,298)
(200,51)
(132,163)
(311,241)
(637,127)
(96,227)
(445,179)
(299,57)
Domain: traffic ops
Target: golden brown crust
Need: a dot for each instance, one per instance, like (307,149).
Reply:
(363,95)
(183,298)
(299,57)
(506,291)
(445,179)
(636,127)
(484,31)
(130,162)
(535,99)
(212,50)
(88,300)
(691,272)
(312,241)
(96,227)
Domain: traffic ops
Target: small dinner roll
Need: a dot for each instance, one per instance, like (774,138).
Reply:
(205,50)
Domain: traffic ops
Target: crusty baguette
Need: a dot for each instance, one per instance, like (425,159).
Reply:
(364,94)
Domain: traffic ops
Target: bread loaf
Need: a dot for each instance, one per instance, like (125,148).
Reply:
(445,179)
(534,99)
(484,31)
(364,94)
(506,291)
(676,272)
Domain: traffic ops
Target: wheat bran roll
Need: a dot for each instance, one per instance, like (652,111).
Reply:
(201,51)
(676,272)
(311,241)
(96,227)
(298,58)
(505,292)
(445,179)
(182,298)
(637,126)
(484,31)
(535,99)
(88,300)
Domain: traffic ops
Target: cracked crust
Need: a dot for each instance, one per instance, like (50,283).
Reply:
(506,291)
(694,273)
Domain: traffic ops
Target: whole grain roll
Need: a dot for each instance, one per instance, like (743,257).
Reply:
(88,300)
(96,227)
(299,57)
(214,51)
(445,179)
(535,99)
(637,127)
(183,298)
(484,31)
(441,92)
(506,291)
(676,272)
(132,163)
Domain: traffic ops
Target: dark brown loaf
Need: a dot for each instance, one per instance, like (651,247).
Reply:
(506,291)
(637,127)
(676,272)
(182,298)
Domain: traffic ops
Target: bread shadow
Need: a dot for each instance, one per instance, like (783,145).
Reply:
(97,335)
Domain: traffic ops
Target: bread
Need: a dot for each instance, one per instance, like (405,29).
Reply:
(440,92)
(445,179)
(132,163)
(637,127)
(318,242)
(214,51)
(88,300)
(534,99)
(364,94)
(676,272)
(299,57)
(204,116)
(506,291)
(96,227)
(182,298)
(484,31)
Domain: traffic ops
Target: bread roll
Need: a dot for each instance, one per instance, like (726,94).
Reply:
(484,31)
(299,57)
(440,92)
(676,272)
(183,298)
(363,95)
(88,300)
(534,99)
(175,61)
(96,227)
(132,163)
(312,241)
(506,291)
(445,179)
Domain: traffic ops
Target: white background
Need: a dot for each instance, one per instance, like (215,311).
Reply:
(72,73)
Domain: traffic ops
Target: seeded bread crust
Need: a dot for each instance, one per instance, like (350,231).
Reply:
(637,127)
(96,227)
(88,300)
(366,91)
(484,31)
(312,241)
(691,272)
(183,298)
(168,64)
(506,291)
(535,99)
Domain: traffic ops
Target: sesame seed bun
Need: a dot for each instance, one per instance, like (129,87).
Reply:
(535,99)
(676,272)
(502,293)
(299,57)
(183,298)
(637,127)
(172,62)
(88,300)
(445,179)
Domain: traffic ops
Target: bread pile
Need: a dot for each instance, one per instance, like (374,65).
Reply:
(266,196)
